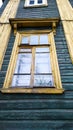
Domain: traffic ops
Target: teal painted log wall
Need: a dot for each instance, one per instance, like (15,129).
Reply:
(39,111)
(40,12)
(44,111)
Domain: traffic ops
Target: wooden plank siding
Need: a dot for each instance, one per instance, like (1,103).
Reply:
(66,15)
(51,11)
(29,111)
(5,28)
(39,111)
(31,125)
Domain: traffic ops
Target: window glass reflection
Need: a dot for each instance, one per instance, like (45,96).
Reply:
(42,50)
(25,40)
(44,39)
(43,80)
(42,63)
(25,50)
(34,40)
(23,63)
(20,80)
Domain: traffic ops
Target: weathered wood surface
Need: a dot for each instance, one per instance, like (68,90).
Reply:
(10,11)
(37,125)
(3,6)
(47,109)
(5,28)
(66,14)
(64,60)
(39,114)
(34,111)
(35,104)
(50,11)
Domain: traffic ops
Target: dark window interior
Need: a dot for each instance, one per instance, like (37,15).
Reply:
(31,1)
(39,1)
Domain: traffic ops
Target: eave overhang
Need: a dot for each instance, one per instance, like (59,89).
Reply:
(39,22)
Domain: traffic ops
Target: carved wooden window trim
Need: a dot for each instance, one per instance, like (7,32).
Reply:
(35,3)
(54,63)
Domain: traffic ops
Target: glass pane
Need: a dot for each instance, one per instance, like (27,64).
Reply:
(39,1)
(31,2)
(20,80)
(34,40)
(25,50)
(44,39)
(23,63)
(42,63)
(24,40)
(43,80)
(42,50)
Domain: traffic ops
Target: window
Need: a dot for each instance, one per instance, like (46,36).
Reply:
(33,66)
(30,3)
(33,63)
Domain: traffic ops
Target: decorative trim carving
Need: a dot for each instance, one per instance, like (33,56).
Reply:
(34,23)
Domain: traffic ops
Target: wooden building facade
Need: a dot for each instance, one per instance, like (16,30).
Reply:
(37,28)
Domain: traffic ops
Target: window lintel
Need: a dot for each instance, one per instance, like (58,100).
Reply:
(52,22)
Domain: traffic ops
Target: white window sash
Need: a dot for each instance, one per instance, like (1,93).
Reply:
(27,3)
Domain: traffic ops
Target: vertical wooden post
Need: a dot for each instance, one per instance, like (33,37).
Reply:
(66,13)
(5,28)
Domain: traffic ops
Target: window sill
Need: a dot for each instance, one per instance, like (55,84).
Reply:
(34,90)
(30,6)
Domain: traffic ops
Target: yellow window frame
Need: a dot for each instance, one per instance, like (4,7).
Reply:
(54,64)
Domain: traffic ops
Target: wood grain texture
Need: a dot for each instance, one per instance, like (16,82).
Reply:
(40,124)
(36,104)
(66,14)
(5,28)
(37,114)
(39,111)
(50,11)
(7,88)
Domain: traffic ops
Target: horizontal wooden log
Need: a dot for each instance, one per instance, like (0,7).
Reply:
(36,104)
(68,78)
(67,95)
(42,114)
(31,125)
(4,67)
(67,86)
(63,73)
(62,51)
(66,68)
(63,60)
(37,125)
